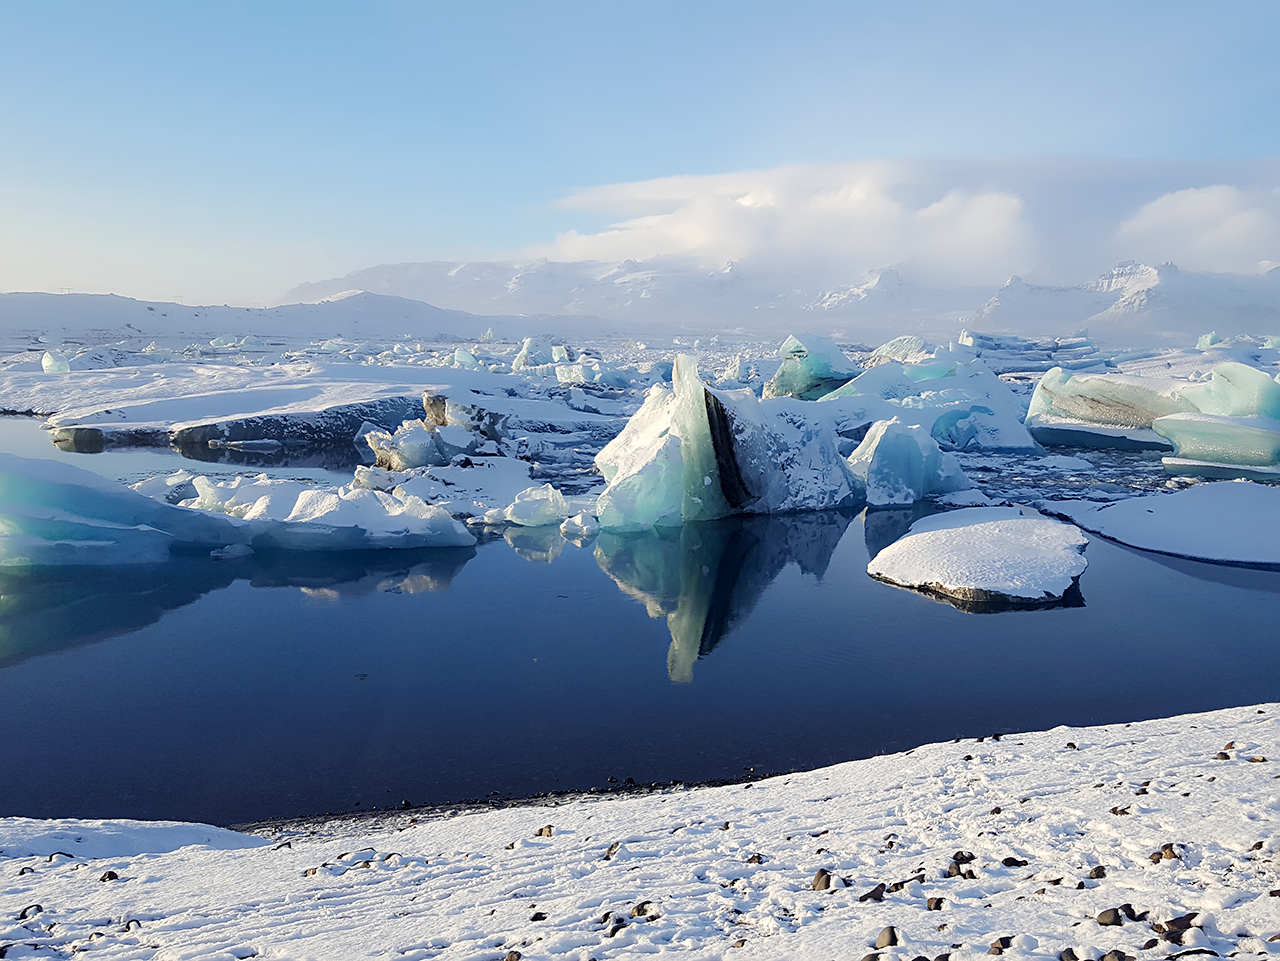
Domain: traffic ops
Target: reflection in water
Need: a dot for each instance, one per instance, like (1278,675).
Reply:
(539,544)
(883,527)
(705,578)
(52,609)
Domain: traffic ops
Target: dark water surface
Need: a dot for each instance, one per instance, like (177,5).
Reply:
(241,690)
(228,691)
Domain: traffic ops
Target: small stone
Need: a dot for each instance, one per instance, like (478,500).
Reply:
(1012,862)
(999,944)
(822,880)
(1115,956)
(756,859)
(953,870)
(513,956)
(545,832)
(1111,916)
(741,942)
(1068,954)
(109,876)
(1229,746)
(1071,746)
(888,938)
(963,857)
(641,910)
(1222,756)
(1257,760)
(934,904)
(875,894)
(1148,945)
(1098,872)
(996,809)
(1257,846)
(614,928)
(614,848)
(538,916)
(1121,810)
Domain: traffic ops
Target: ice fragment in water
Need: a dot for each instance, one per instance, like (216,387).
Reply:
(811,367)
(536,507)
(580,526)
(901,464)
(1245,441)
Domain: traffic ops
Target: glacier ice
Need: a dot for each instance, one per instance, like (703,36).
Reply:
(901,464)
(55,362)
(979,557)
(956,399)
(1243,441)
(1235,390)
(811,366)
(692,453)
(581,526)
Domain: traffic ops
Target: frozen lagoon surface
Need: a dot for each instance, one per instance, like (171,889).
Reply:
(438,676)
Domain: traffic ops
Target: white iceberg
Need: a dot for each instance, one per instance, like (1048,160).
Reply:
(901,464)
(986,557)
(811,366)
(580,527)
(693,453)
(1233,522)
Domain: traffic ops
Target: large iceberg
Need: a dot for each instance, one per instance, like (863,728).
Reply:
(956,399)
(811,367)
(692,453)
(901,463)
(1225,419)
(984,558)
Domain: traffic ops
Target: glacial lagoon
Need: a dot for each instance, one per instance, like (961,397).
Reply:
(281,685)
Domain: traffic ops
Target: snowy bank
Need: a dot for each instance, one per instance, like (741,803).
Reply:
(1150,839)
(986,558)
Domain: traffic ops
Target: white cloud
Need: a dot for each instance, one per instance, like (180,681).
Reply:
(821,219)
(1218,228)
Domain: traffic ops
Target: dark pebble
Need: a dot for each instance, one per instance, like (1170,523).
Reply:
(109,876)
(822,880)
(1014,863)
(1111,916)
(756,859)
(614,848)
(934,904)
(888,938)
(545,832)
(538,916)
(513,956)
(1098,872)
(875,894)
(641,910)
(1068,954)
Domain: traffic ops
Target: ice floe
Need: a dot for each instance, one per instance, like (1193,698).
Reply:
(1232,522)
(901,464)
(986,557)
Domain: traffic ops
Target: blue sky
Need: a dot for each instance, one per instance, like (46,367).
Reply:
(229,150)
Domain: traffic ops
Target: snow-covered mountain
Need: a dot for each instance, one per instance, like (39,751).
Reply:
(666,291)
(1134,302)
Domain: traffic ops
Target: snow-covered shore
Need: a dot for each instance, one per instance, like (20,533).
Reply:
(1022,840)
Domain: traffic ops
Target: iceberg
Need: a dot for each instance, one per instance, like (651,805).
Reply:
(956,399)
(901,464)
(1222,441)
(692,453)
(987,558)
(537,507)
(811,366)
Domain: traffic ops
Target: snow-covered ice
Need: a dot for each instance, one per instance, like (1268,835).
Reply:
(1232,522)
(1150,839)
(986,556)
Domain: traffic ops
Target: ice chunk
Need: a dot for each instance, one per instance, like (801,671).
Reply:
(811,366)
(1247,441)
(980,557)
(1232,522)
(537,507)
(580,526)
(55,362)
(534,352)
(906,349)
(465,359)
(692,453)
(1235,390)
(590,372)
(1208,340)
(901,464)
(1111,400)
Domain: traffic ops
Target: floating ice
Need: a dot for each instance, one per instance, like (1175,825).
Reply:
(692,453)
(1244,441)
(905,349)
(537,507)
(55,362)
(984,556)
(901,464)
(811,366)
(1232,522)
(580,526)
(956,400)
(1235,390)
(534,352)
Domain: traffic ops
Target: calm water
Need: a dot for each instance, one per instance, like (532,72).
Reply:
(231,691)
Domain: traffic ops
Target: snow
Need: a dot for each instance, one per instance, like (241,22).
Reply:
(1062,826)
(901,464)
(985,555)
(1232,522)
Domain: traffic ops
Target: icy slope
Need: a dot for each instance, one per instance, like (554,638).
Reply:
(1092,839)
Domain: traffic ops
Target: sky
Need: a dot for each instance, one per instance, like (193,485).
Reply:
(224,152)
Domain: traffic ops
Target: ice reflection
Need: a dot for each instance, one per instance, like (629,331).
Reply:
(53,609)
(705,578)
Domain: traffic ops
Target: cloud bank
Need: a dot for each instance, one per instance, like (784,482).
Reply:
(974,222)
